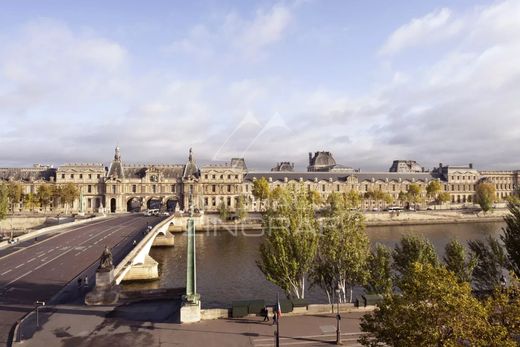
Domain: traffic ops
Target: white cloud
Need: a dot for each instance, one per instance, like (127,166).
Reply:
(435,26)
(238,36)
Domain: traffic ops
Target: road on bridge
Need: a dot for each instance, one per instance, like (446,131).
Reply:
(41,270)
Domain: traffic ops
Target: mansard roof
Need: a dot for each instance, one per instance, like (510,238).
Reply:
(166,171)
(28,174)
(340,176)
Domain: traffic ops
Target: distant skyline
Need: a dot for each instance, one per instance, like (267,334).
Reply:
(370,81)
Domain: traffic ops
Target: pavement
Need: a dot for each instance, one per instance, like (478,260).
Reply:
(152,324)
(47,270)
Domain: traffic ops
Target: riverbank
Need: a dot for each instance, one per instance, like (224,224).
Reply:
(213,224)
(433,217)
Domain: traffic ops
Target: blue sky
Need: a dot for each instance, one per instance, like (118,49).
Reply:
(371,81)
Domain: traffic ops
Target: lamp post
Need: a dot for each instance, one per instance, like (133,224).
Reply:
(38,304)
(338,318)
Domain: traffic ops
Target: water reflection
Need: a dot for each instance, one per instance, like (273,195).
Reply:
(226,263)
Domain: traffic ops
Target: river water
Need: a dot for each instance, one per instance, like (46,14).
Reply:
(227,270)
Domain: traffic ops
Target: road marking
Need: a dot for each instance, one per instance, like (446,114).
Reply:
(32,259)
(22,264)
(17,278)
(7,272)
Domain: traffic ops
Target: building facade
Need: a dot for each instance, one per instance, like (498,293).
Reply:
(120,187)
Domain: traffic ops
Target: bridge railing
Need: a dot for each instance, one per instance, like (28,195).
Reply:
(125,265)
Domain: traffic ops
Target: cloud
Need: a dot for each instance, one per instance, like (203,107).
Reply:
(238,36)
(435,26)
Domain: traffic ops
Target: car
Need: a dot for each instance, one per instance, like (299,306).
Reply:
(166,214)
(375,209)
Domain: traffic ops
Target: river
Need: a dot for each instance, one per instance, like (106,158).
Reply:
(227,270)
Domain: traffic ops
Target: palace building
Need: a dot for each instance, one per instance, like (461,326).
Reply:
(120,187)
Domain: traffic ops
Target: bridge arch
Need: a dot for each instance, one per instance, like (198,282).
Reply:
(154,202)
(133,204)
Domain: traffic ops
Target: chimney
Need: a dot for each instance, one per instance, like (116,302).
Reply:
(310,158)
(440,165)
(471,165)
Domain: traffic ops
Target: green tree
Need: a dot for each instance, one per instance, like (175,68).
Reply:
(14,194)
(432,309)
(342,253)
(261,190)
(458,262)
(379,267)
(486,195)
(388,198)
(491,260)
(45,195)
(4,201)
(511,237)
(223,211)
(433,189)
(289,248)
(402,197)
(410,250)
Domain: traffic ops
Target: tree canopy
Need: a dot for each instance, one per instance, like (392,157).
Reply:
(458,262)
(511,237)
(291,240)
(486,195)
(433,309)
(413,249)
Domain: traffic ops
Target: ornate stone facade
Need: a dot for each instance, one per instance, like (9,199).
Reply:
(121,187)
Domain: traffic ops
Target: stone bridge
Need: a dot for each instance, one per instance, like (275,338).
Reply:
(138,264)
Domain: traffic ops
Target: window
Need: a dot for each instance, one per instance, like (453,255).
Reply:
(173,189)
(229,201)
(213,188)
(205,201)
(134,188)
(236,176)
(98,176)
(213,176)
(229,188)
(63,176)
(89,188)
(154,188)
(229,177)
(113,189)
(322,187)
(221,177)
(90,176)
(89,203)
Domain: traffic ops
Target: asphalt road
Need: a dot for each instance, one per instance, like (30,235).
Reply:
(47,267)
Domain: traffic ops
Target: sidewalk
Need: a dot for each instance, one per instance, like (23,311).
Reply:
(151,325)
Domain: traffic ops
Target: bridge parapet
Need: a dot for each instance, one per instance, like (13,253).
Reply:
(138,264)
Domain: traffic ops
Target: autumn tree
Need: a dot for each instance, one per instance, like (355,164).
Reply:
(458,261)
(353,199)
(485,195)
(261,189)
(443,197)
(289,248)
(4,201)
(414,194)
(68,193)
(511,237)
(433,308)
(30,201)
(433,189)
(379,268)
(14,194)
(45,195)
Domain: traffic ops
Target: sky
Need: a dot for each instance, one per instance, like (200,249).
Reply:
(370,81)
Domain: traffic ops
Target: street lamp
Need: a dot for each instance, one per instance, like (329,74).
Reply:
(38,304)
